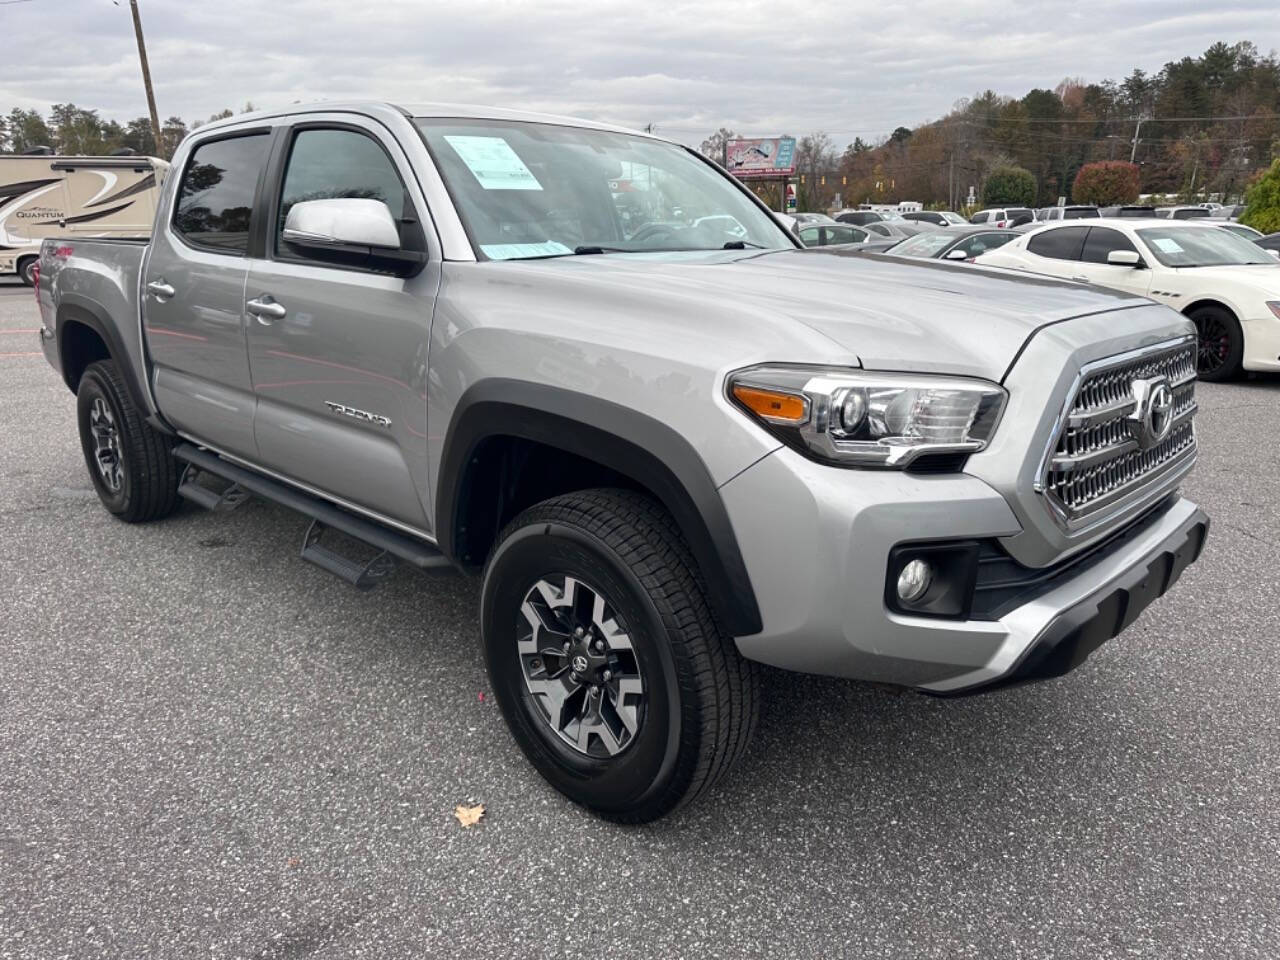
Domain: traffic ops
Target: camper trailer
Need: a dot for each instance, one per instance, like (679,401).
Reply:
(49,196)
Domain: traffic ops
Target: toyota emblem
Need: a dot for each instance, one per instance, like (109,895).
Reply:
(1152,418)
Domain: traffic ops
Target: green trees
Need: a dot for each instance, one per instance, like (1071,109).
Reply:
(1009,186)
(1263,200)
(1106,183)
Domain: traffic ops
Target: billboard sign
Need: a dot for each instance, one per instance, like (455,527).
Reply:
(770,157)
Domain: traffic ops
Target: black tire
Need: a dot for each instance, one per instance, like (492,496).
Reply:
(25,266)
(146,484)
(700,700)
(1220,343)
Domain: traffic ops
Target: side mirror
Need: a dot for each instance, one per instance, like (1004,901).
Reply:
(351,232)
(1124,258)
(956,254)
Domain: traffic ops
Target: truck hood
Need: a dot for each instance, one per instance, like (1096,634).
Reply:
(891,313)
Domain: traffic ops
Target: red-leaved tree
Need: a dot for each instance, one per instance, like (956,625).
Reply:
(1106,183)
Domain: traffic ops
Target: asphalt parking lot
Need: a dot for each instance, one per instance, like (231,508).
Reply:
(209,748)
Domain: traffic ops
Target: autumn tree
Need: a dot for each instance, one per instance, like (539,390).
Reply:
(1106,183)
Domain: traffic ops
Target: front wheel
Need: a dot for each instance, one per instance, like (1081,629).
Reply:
(606,660)
(1220,346)
(27,270)
(130,463)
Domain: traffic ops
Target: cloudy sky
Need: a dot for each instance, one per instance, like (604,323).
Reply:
(850,67)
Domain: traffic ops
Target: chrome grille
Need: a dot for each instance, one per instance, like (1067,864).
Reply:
(1096,462)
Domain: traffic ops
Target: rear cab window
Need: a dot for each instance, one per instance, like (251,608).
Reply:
(214,203)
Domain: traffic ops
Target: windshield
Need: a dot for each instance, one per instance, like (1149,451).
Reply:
(954,218)
(1201,247)
(528,190)
(923,244)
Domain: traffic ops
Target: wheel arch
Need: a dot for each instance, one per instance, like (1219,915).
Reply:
(1201,302)
(511,441)
(85,334)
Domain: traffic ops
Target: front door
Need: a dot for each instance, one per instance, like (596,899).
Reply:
(339,359)
(193,294)
(1093,264)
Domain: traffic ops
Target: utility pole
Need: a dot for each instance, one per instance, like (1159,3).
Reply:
(1136,130)
(146,76)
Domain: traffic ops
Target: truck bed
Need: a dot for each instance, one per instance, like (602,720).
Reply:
(96,283)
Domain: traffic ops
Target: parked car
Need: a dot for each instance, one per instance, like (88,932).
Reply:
(960,243)
(1227,286)
(1240,230)
(826,234)
(44,195)
(669,453)
(813,218)
(893,230)
(939,218)
(1182,213)
(1004,216)
(861,218)
(1270,242)
(1074,212)
(1128,210)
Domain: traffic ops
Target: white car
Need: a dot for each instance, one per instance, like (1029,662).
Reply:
(1229,287)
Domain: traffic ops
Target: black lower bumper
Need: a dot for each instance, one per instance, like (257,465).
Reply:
(1076,632)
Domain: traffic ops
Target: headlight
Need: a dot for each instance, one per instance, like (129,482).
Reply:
(863,418)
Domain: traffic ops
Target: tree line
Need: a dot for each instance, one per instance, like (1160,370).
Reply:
(75,131)
(1199,126)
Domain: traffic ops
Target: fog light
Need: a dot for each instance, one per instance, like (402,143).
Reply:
(914,581)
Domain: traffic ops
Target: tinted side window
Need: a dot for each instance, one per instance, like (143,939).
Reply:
(215,198)
(980,217)
(329,164)
(1061,244)
(809,236)
(1101,241)
(980,243)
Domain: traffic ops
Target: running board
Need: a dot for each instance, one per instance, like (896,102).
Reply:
(324,515)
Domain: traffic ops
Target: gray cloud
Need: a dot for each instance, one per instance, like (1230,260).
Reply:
(851,68)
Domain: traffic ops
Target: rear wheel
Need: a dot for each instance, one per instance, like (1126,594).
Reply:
(605,659)
(27,270)
(1220,343)
(129,462)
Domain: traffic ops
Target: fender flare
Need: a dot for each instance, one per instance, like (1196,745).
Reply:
(628,442)
(76,308)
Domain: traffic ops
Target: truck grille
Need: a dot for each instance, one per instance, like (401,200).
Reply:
(1096,461)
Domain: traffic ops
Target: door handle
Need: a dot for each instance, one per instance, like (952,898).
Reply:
(160,290)
(266,309)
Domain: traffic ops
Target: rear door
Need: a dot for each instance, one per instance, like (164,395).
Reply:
(1056,251)
(193,292)
(341,373)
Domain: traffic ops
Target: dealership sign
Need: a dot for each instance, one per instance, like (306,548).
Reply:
(775,157)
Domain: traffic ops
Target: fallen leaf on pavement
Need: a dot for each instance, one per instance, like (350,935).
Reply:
(468,816)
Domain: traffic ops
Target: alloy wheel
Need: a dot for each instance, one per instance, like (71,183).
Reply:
(106,444)
(1214,344)
(579,666)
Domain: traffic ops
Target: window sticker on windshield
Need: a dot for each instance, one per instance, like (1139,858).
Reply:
(1166,245)
(512,251)
(493,163)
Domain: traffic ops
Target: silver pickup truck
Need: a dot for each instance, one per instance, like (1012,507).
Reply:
(588,365)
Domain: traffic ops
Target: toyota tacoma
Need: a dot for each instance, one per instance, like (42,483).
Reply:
(589,366)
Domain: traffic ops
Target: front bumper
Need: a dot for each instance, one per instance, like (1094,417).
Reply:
(817,558)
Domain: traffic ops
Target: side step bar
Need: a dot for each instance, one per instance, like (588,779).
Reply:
(325,515)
